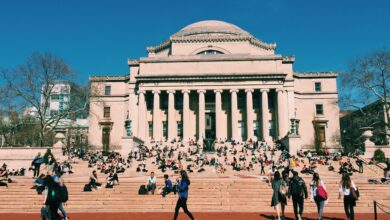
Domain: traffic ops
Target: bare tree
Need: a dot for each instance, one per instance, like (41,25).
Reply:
(31,85)
(368,81)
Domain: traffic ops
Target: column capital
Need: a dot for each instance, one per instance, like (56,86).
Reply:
(171,91)
(156,91)
(248,90)
(141,92)
(218,91)
(185,91)
(280,90)
(201,91)
(233,90)
(264,90)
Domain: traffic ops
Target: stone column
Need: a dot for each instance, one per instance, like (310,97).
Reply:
(202,119)
(142,115)
(290,102)
(249,113)
(282,121)
(186,114)
(172,128)
(265,114)
(156,115)
(234,112)
(218,113)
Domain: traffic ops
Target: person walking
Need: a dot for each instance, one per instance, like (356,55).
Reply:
(349,190)
(298,191)
(50,163)
(359,162)
(262,165)
(318,194)
(182,188)
(38,160)
(279,200)
(64,194)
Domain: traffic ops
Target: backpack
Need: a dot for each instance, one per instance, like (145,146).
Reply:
(62,194)
(142,190)
(296,188)
(87,188)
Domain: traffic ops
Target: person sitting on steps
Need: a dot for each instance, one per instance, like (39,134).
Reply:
(151,183)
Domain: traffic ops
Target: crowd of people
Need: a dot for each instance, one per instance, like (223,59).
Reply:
(50,184)
(294,187)
(175,158)
(5,174)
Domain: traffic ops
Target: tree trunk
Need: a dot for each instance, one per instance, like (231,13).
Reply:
(41,136)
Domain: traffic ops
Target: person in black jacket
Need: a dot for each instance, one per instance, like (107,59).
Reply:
(38,160)
(63,198)
(297,190)
(51,201)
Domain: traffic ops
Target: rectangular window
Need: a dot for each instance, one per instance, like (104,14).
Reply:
(55,97)
(180,129)
(107,90)
(107,112)
(271,128)
(165,129)
(256,102)
(319,109)
(256,130)
(241,102)
(317,86)
(178,102)
(150,128)
(164,102)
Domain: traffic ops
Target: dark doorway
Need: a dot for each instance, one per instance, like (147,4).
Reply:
(210,125)
(106,139)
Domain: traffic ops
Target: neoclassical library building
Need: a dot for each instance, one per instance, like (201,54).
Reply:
(213,80)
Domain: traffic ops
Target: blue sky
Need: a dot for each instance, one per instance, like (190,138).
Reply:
(97,37)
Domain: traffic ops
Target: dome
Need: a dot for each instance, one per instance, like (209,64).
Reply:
(211,27)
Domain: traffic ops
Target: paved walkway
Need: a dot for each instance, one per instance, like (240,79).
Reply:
(182,216)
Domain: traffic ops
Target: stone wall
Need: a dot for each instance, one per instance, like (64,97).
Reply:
(370,150)
(21,153)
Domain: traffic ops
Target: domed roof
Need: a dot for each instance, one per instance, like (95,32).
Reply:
(210,31)
(211,27)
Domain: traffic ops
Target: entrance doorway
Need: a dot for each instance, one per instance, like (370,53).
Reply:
(106,139)
(210,126)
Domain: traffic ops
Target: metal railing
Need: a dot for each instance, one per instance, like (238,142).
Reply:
(381,207)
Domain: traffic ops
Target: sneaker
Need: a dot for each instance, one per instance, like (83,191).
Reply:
(299,217)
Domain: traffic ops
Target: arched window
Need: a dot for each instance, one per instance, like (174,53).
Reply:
(209,52)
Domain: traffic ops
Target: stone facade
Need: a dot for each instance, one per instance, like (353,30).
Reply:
(212,80)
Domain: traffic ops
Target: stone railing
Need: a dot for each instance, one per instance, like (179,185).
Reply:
(21,153)
(370,146)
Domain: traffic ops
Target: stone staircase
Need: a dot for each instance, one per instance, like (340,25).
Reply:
(233,193)
(209,192)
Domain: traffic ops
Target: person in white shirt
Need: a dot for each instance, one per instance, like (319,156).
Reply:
(151,184)
(349,190)
(317,197)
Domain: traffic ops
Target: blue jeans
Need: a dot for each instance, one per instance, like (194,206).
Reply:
(320,206)
(61,207)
